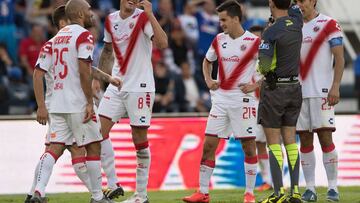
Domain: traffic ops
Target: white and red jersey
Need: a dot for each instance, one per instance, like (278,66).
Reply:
(131,40)
(45,63)
(316,70)
(237,61)
(71,43)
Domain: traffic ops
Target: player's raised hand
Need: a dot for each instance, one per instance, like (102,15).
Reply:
(333,96)
(147,7)
(42,115)
(212,84)
(89,112)
(116,82)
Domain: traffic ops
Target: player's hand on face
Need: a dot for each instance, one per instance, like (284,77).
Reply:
(147,7)
(333,96)
(96,88)
(212,84)
(89,112)
(42,115)
(246,88)
(116,82)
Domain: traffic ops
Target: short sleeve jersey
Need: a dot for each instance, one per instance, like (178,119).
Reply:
(316,68)
(131,40)
(70,44)
(45,63)
(281,44)
(237,61)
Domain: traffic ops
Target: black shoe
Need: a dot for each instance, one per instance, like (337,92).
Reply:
(28,197)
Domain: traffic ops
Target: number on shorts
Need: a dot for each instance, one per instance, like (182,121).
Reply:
(324,105)
(247,112)
(59,58)
(140,103)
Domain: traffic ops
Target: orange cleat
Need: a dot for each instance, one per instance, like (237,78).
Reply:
(197,197)
(264,187)
(249,198)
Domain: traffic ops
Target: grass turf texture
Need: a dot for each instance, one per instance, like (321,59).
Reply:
(347,195)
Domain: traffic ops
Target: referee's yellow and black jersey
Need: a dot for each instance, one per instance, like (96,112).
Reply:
(279,51)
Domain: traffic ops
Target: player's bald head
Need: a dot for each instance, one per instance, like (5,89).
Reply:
(73,8)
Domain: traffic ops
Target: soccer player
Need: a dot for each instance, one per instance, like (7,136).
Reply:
(130,33)
(232,111)
(320,78)
(71,103)
(280,95)
(263,156)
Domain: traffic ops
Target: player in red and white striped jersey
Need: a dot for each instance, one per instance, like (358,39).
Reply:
(322,43)
(233,111)
(129,34)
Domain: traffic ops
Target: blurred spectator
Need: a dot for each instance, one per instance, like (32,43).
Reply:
(164,85)
(187,94)
(102,8)
(39,12)
(19,94)
(189,24)
(165,15)
(29,49)
(5,63)
(357,78)
(178,51)
(7,26)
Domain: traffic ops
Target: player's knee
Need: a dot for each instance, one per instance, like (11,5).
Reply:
(56,149)
(325,140)
(249,147)
(93,149)
(76,151)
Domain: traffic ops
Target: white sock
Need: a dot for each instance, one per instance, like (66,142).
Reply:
(308,163)
(250,173)
(93,165)
(79,165)
(206,170)
(36,172)
(108,163)
(47,162)
(265,168)
(143,158)
(330,161)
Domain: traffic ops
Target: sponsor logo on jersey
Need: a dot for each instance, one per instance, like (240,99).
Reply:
(249,39)
(224,45)
(115,26)
(62,40)
(234,59)
(322,21)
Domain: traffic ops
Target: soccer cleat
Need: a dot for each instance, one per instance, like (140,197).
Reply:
(197,197)
(28,198)
(295,198)
(309,196)
(112,194)
(36,198)
(264,187)
(276,199)
(332,196)
(136,198)
(103,200)
(249,198)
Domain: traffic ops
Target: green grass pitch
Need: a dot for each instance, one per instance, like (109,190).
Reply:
(347,195)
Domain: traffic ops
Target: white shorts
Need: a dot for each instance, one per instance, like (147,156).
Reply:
(260,134)
(138,106)
(65,127)
(316,115)
(226,120)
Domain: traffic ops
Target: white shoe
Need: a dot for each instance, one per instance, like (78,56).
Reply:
(103,200)
(136,198)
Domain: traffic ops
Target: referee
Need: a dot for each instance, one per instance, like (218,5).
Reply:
(280,96)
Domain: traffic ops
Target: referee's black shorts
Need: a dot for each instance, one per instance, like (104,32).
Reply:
(281,106)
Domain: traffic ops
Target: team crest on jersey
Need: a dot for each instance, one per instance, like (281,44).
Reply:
(316,29)
(43,56)
(131,25)
(243,47)
(89,48)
